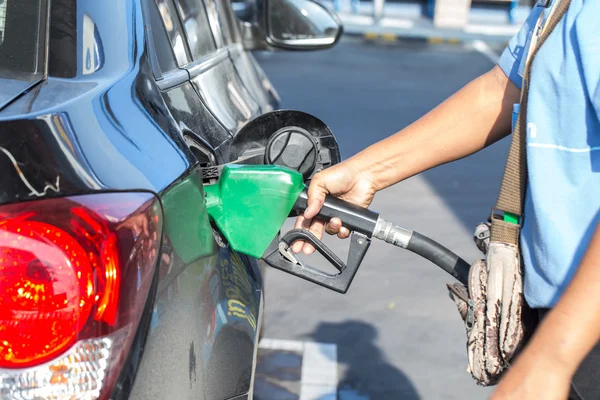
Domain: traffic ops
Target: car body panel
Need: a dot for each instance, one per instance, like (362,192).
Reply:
(13,88)
(103,130)
(203,331)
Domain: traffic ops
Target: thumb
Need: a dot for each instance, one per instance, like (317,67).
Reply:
(316,198)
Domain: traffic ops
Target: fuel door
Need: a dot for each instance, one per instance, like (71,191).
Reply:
(289,138)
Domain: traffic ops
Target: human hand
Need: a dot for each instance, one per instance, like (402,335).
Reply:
(138,224)
(344,180)
(534,376)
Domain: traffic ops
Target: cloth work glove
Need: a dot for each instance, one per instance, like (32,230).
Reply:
(493,308)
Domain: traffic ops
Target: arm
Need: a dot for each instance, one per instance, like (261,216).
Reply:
(476,116)
(473,118)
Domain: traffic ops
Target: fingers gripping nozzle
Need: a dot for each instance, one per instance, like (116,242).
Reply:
(355,218)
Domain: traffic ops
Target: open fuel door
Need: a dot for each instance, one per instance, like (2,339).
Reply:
(288,138)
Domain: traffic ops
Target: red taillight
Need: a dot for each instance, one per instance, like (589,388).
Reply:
(46,291)
(74,274)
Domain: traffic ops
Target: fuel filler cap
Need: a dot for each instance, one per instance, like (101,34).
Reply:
(293,147)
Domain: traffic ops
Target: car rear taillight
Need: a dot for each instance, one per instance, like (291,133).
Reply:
(75,276)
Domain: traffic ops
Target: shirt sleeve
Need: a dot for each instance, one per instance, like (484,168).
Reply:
(511,57)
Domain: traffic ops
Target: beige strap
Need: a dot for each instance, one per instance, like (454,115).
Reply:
(512,188)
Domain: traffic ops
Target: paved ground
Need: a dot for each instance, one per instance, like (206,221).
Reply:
(397,333)
(296,370)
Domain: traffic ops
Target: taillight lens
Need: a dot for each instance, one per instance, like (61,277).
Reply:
(75,274)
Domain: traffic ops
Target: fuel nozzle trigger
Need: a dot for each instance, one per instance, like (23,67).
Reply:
(279,255)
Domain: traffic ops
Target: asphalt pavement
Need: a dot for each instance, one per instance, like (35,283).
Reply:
(398,334)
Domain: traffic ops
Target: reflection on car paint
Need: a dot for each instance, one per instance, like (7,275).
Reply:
(241,302)
(93,53)
(33,192)
(186,220)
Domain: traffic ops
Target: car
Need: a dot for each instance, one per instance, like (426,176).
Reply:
(114,115)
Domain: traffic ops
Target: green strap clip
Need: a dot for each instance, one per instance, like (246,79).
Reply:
(511,218)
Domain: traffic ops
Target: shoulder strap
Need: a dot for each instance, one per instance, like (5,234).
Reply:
(506,228)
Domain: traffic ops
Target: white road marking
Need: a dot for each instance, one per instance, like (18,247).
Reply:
(279,344)
(319,372)
(484,49)
(319,378)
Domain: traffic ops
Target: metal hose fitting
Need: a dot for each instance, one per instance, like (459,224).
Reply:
(392,234)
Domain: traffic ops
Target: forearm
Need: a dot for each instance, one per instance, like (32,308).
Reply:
(473,118)
(572,328)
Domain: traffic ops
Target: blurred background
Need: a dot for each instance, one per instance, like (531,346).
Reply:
(396,334)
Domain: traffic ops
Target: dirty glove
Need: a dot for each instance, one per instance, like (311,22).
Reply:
(497,319)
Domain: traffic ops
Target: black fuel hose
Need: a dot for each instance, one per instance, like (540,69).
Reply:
(439,255)
(423,246)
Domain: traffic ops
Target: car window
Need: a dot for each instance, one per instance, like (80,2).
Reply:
(160,39)
(2,19)
(172,26)
(62,49)
(225,23)
(22,39)
(196,26)
(213,19)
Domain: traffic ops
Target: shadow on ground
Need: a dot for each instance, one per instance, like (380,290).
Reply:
(357,354)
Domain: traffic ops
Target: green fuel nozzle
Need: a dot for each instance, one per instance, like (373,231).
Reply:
(250,203)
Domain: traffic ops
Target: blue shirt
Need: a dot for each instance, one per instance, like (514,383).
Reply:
(563,147)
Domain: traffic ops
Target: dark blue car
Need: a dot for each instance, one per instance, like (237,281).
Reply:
(114,283)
